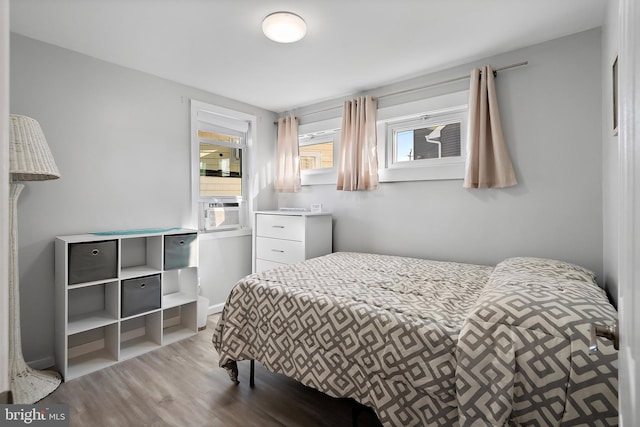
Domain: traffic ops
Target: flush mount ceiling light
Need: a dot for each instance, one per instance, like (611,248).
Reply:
(284,27)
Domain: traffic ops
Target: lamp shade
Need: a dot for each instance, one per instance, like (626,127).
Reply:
(30,158)
(284,27)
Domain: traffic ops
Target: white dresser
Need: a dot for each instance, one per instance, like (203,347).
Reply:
(285,237)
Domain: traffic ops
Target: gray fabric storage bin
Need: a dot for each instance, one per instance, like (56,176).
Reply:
(92,261)
(180,251)
(140,295)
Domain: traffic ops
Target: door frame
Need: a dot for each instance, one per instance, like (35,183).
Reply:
(629,208)
(4,196)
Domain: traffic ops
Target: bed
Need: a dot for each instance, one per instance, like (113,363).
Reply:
(431,343)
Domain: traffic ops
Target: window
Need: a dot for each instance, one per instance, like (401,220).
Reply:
(316,150)
(220,140)
(417,141)
(220,163)
(423,140)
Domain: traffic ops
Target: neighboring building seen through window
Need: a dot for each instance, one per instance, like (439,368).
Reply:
(432,142)
(316,150)
(316,156)
(220,165)
(425,139)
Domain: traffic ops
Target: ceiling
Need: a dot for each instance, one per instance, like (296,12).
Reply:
(351,45)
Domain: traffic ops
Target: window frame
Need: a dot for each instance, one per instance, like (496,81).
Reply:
(442,109)
(322,131)
(420,122)
(209,117)
(318,138)
(242,145)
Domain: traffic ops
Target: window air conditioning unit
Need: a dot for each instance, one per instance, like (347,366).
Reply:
(221,216)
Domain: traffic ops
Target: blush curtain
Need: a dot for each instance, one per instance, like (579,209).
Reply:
(288,159)
(358,160)
(488,162)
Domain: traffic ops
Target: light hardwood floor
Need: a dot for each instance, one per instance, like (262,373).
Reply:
(182,385)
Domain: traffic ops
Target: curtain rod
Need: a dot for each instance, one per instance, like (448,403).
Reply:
(402,92)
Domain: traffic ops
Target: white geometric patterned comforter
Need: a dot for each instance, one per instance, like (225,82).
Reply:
(422,342)
(523,353)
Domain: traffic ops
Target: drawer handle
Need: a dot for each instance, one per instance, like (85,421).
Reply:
(277,250)
(277,226)
(142,285)
(95,252)
(181,242)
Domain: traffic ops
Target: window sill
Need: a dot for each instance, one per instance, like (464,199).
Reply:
(212,235)
(319,177)
(434,172)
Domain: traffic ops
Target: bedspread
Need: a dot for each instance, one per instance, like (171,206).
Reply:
(523,354)
(379,329)
(411,338)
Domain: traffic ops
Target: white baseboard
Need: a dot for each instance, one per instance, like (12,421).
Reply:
(216,308)
(44,363)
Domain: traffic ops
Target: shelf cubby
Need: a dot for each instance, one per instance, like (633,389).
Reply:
(140,334)
(140,256)
(179,287)
(92,350)
(179,322)
(92,307)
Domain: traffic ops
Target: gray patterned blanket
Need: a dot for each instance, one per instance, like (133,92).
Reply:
(429,343)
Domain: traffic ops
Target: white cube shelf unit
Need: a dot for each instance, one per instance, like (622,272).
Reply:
(121,295)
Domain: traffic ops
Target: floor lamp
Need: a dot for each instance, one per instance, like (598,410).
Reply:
(29,160)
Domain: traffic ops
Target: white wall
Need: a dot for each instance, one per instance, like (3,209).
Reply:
(551,114)
(222,268)
(610,152)
(121,140)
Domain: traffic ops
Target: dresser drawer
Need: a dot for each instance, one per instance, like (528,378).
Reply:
(263,265)
(280,226)
(278,250)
